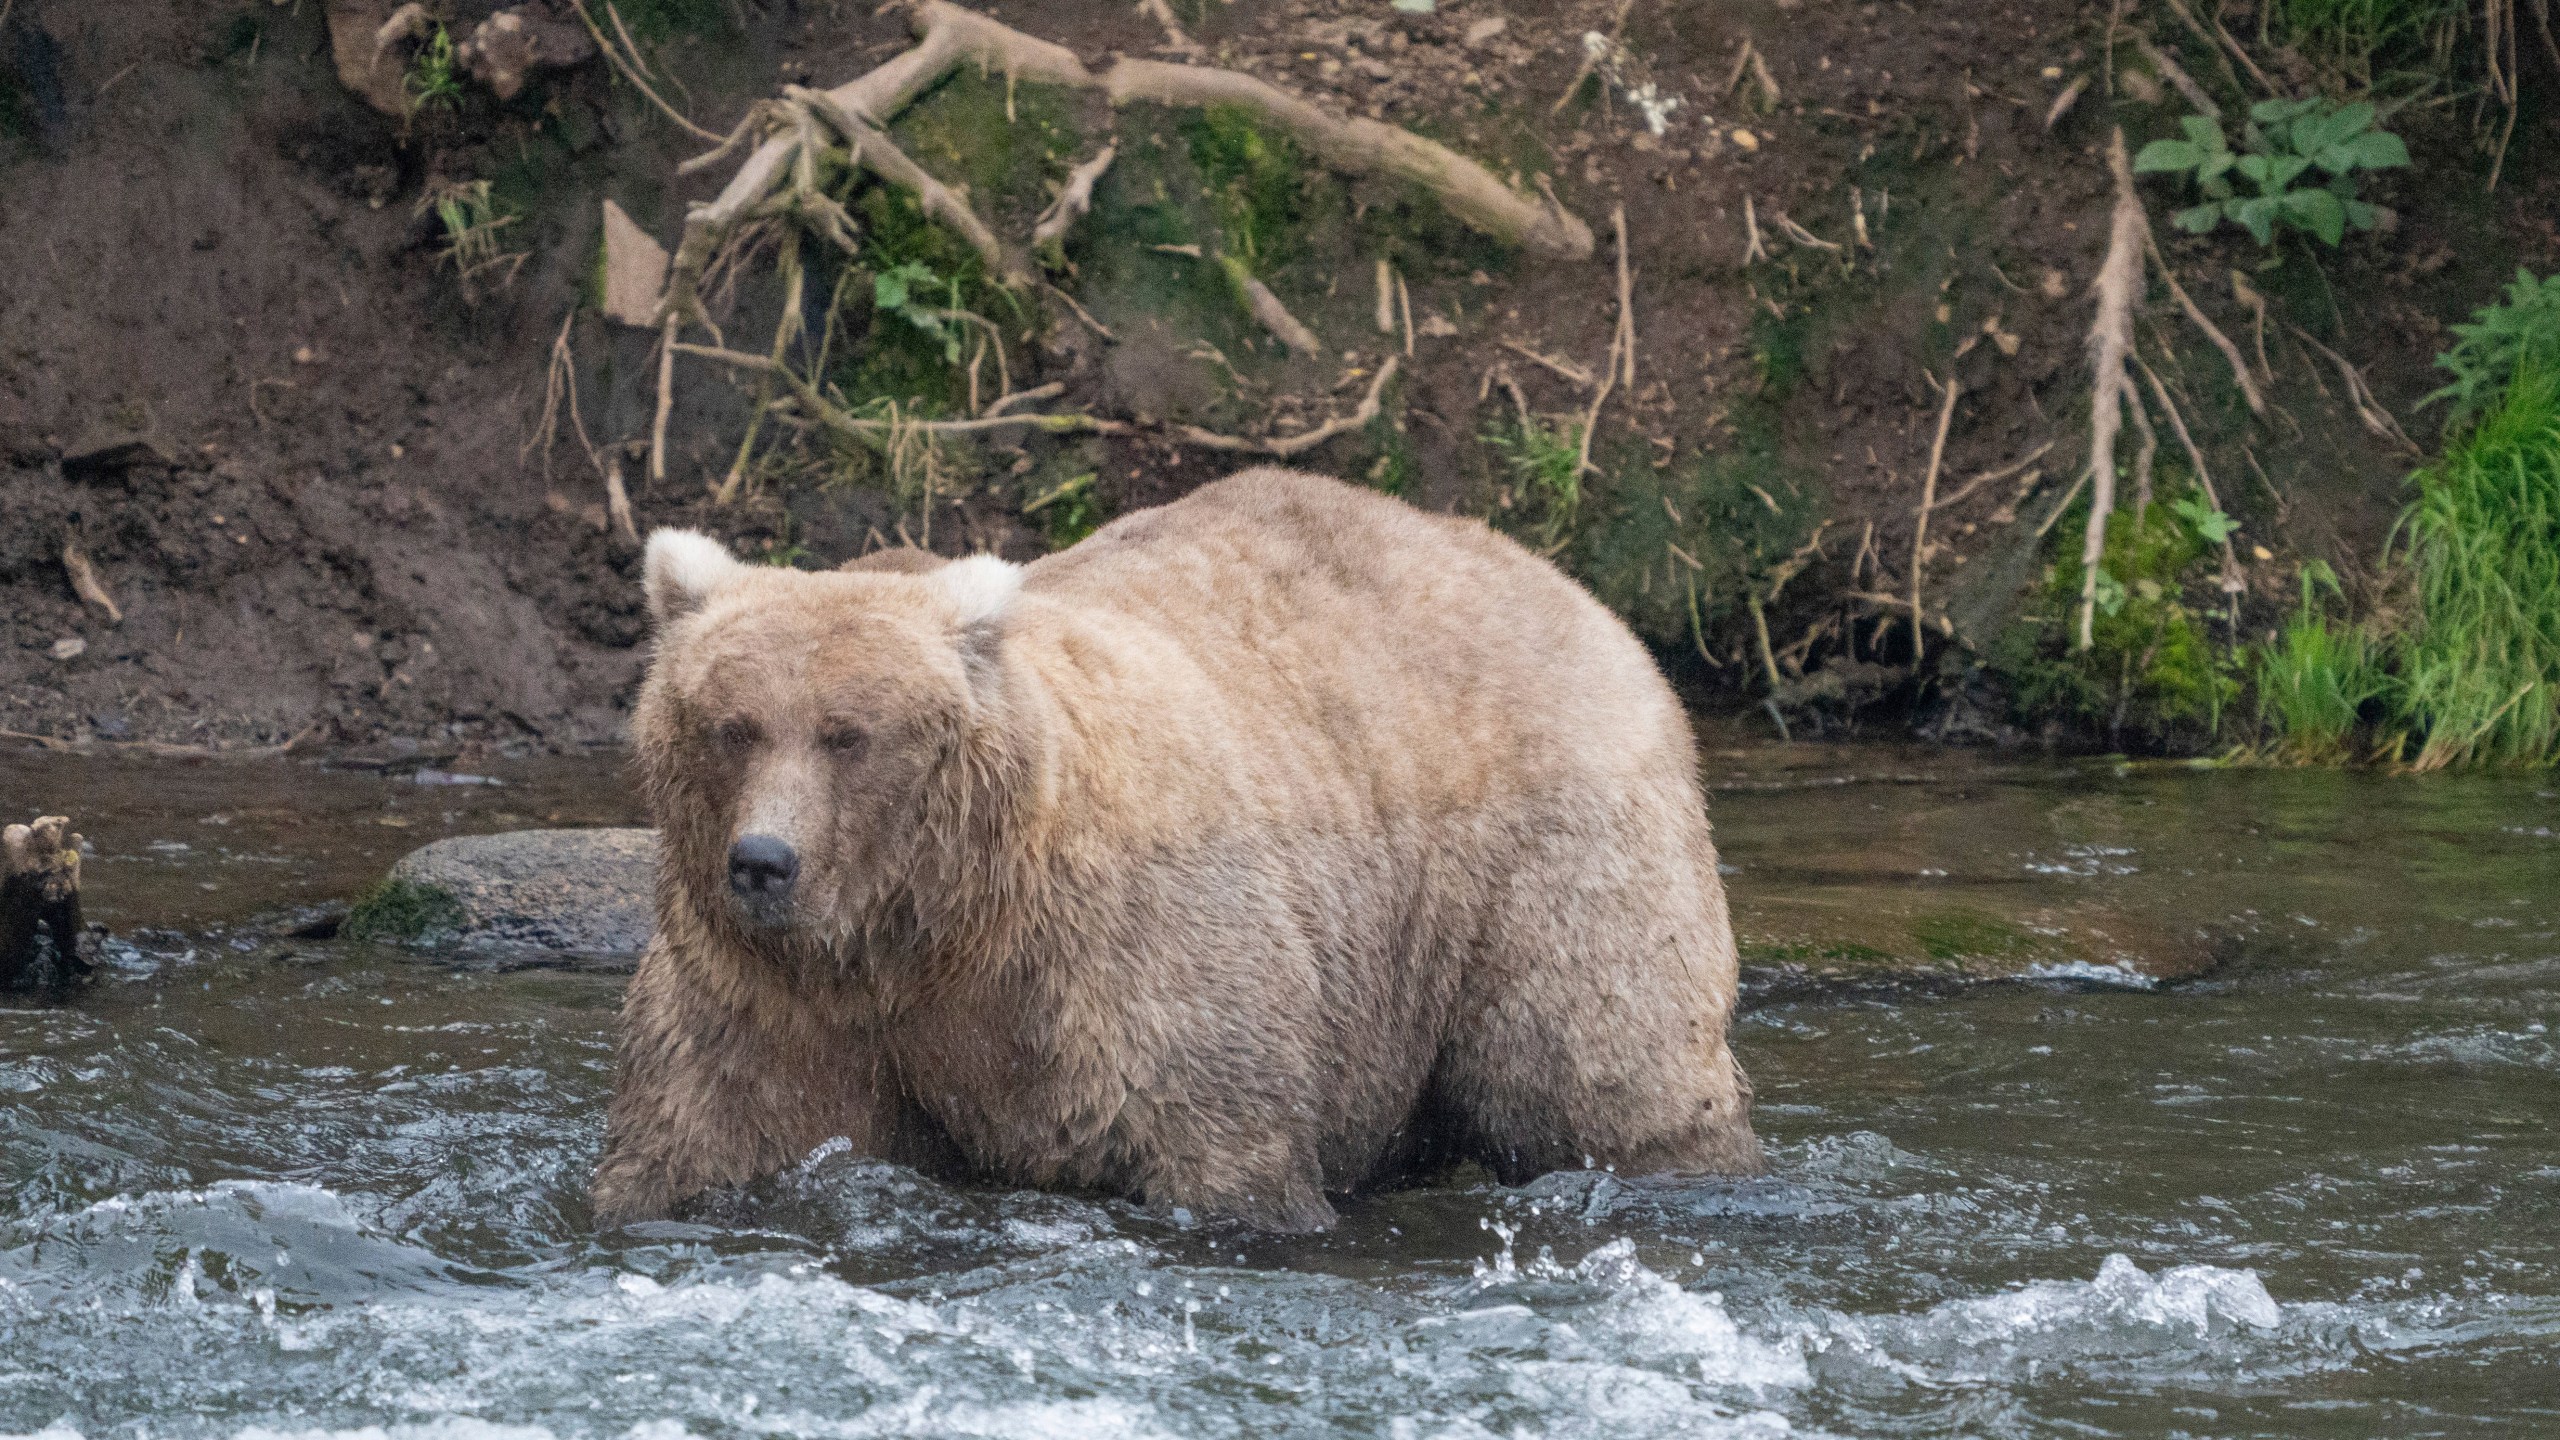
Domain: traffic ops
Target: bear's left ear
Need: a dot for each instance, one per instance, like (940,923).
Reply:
(683,568)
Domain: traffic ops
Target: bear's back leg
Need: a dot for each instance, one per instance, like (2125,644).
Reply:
(1590,1027)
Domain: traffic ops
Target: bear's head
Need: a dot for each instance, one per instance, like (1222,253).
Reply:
(795,726)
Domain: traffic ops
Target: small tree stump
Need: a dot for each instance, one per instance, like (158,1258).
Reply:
(42,942)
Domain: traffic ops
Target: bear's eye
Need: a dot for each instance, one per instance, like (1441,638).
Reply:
(847,741)
(734,735)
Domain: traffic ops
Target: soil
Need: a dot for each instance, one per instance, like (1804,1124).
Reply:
(239,375)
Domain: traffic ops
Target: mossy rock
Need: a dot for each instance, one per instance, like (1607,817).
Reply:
(527,897)
(1872,937)
(403,912)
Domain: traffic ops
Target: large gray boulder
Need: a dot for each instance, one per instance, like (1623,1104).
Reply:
(528,896)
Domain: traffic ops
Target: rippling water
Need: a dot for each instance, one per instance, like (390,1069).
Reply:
(284,1188)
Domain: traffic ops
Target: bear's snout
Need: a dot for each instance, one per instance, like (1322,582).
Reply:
(761,871)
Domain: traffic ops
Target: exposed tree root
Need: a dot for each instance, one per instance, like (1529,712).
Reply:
(1920,525)
(1284,446)
(789,141)
(2119,290)
(1048,237)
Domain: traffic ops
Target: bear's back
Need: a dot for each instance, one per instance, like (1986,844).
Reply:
(1397,631)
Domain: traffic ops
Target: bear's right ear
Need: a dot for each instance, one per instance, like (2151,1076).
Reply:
(683,568)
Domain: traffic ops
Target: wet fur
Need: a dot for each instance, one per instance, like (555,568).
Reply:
(1270,844)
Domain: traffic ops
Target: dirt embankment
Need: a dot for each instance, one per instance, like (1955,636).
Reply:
(242,377)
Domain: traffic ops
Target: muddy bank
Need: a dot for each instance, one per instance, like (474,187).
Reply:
(250,382)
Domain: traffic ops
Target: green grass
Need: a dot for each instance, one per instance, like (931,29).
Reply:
(432,81)
(2480,665)
(2316,679)
(1543,495)
(2360,41)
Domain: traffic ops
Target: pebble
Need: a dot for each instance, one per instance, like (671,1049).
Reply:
(70,647)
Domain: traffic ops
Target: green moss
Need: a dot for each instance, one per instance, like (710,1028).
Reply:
(961,131)
(650,21)
(1957,934)
(402,912)
(1674,548)
(1796,953)
(2152,667)
(1256,182)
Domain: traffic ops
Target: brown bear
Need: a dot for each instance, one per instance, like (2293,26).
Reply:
(1278,842)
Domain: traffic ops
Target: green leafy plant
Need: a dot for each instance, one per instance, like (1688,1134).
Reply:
(2283,142)
(431,79)
(2211,525)
(901,289)
(2522,330)
(2316,678)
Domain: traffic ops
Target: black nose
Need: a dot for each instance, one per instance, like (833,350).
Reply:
(762,868)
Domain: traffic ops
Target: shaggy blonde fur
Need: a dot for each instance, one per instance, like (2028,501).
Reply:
(1275,843)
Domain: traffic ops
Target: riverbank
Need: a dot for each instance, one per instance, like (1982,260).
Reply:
(328,486)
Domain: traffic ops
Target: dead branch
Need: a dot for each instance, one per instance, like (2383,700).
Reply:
(1591,57)
(1360,146)
(1616,362)
(1802,236)
(2119,289)
(2063,102)
(85,582)
(1564,369)
(1928,502)
(1992,477)
(1626,300)
(633,69)
(1284,446)
(879,154)
(1753,249)
(2232,584)
(2176,74)
(836,417)
(2221,38)
(2360,396)
(948,35)
(1048,236)
(617,506)
(1032,396)
(2239,367)
(1268,310)
(2144,459)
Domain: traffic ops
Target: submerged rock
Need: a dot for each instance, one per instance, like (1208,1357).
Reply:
(1875,937)
(528,896)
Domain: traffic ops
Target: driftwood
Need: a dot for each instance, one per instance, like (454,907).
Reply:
(42,940)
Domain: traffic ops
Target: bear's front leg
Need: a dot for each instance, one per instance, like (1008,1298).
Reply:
(725,1074)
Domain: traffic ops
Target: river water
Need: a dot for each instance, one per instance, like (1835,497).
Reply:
(272,1186)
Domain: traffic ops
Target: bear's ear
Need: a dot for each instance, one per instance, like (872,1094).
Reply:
(980,586)
(683,568)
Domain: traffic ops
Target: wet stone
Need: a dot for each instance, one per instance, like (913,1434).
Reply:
(576,897)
